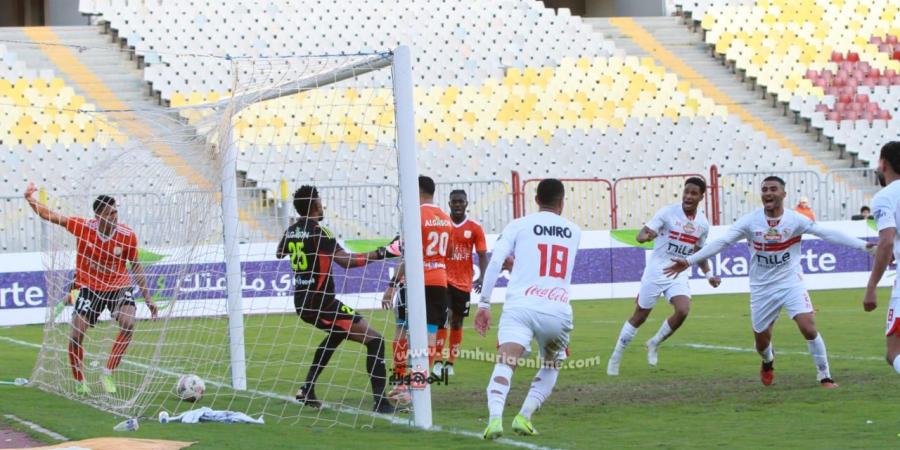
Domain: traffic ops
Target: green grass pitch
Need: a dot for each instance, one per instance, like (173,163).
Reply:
(705,393)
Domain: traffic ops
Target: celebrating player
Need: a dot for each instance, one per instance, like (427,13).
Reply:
(466,235)
(776,278)
(887,213)
(312,248)
(104,250)
(677,230)
(537,303)
(436,229)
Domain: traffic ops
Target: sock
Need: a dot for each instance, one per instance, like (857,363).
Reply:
(455,342)
(897,364)
(76,356)
(768,354)
(439,344)
(118,350)
(375,366)
(664,332)
(401,347)
(625,337)
(323,355)
(496,392)
(541,387)
(820,357)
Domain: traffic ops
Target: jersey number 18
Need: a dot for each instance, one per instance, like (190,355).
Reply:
(554,259)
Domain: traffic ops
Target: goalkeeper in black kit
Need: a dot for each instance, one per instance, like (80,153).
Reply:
(312,248)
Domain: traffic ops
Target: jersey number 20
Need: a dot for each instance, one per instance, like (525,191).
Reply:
(554,259)
(437,244)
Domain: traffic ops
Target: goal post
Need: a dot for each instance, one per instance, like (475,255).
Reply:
(228,314)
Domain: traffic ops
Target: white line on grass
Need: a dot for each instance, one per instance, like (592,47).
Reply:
(392,419)
(780,352)
(35,427)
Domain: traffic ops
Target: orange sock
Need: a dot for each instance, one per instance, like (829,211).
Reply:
(118,350)
(431,356)
(439,341)
(455,342)
(401,347)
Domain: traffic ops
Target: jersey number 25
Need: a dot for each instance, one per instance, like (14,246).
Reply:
(554,260)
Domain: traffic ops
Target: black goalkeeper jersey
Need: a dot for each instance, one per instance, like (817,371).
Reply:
(311,249)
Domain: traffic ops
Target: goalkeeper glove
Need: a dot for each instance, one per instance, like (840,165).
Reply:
(391,250)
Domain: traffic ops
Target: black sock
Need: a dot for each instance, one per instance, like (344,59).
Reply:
(375,366)
(323,355)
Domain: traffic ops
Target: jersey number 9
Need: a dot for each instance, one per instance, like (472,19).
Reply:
(298,256)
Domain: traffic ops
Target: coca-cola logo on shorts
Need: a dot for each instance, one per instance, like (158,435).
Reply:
(556,294)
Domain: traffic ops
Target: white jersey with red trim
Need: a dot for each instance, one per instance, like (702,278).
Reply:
(544,246)
(677,235)
(774,246)
(886,210)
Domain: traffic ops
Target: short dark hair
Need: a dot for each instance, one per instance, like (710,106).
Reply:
(459,192)
(303,199)
(865,208)
(890,152)
(774,178)
(426,185)
(697,181)
(549,191)
(102,201)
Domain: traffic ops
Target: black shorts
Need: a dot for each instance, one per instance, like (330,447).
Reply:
(436,302)
(90,303)
(324,311)
(459,301)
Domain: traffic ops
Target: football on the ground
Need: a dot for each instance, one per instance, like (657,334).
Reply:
(190,388)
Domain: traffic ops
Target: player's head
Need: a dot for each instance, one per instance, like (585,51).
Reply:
(889,162)
(865,211)
(307,202)
(105,211)
(459,201)
(550,194)
(694,190)
(773,193)
(426,189)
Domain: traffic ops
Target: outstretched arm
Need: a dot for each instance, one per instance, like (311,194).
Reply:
(734,234)
(882,258)
(41,209)
(838,237)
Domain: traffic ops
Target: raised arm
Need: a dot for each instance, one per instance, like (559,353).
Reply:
(41,209)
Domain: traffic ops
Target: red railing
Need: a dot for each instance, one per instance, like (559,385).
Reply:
(593,214)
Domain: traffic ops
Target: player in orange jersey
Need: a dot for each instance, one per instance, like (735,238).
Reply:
(104,250)
(436,230)
(467,235)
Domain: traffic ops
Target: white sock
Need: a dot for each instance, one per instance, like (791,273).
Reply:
(107,372)
(541,387)
(664,332)
(768,354)
(820,357)
(625,337)
(897,363)
(496,392)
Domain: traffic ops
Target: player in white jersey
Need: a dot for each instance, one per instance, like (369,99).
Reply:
(886,207)
(537,303)
(676,230)
(776,278)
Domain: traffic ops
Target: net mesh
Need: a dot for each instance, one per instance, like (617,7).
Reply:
(326,121)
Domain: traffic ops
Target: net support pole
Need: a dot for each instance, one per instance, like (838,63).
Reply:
(412,231)
(233,261)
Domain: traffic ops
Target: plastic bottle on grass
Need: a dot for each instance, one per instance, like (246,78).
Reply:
(127,425)
(20,381)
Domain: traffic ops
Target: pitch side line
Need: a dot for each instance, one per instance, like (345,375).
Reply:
(392,419)
(780,352)
(35,427)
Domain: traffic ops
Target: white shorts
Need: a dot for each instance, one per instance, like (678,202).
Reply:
(766,304)
(893,322)
(651,291)
(521,325)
